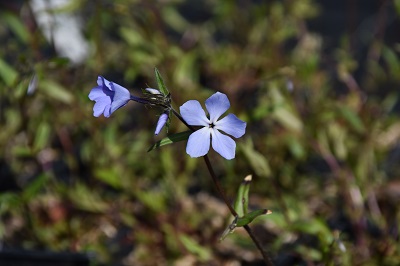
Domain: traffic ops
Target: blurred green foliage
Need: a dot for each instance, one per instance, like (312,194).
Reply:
(322,140)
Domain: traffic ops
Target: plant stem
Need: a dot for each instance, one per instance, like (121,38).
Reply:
(221,192)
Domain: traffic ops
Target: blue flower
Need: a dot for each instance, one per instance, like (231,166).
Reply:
(161,122)
(164,116)
(109,96)
(199,141)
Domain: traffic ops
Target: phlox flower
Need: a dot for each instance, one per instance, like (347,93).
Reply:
(162,120)
(109,96)
(199,141)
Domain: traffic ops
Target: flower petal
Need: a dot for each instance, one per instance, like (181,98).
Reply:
(153,91)
(107,111)
(193,114)
(121,96)
(161,122)
(223,144)
(103,83)
(216,105)
(96,93)
(199,143)
(102,90)
(231,125)
(100,106)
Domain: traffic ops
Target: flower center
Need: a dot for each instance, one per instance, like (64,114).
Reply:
(211,125)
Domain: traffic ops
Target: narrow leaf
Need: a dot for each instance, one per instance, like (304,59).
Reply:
(8,73)
(249,217)
(160,82)
(42,136)
(194,247)
(171,139)
(34,187)
(242,198)
(352,118)
(229,229)
(246,185)
(16,25)
(56,91)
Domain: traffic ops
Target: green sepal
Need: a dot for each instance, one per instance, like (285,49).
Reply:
(171,139)
(248,218)
(160,82)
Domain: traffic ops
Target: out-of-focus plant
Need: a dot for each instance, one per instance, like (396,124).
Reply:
(320,100)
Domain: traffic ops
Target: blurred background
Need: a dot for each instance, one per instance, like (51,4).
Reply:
(316,81)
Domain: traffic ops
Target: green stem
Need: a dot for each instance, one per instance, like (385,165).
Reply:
(221,192)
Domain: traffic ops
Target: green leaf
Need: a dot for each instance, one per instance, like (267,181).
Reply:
(242,199)
(171,139)
(257,160)
(131,36)
(109,176)
(392,60)
(229,229)
(9,200)
(85,198)
(56,91)
(34,187)
(352,118)
(16,26)
(192,246)
(247,181)
(283,112)
(316,226)
(42,136)
(160,82)
(174,18)
(249,217)
(7,73)
(152,200)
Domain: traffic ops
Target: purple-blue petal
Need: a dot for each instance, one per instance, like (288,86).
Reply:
(161,122)
(102,90)
(96,93)
(231,125)
(101,105)
(193,114)
(103,83)
(216,105)
(199,143)
(223,144)
(108,96)
(121,97)
(107,111)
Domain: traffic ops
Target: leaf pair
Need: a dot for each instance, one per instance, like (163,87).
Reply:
(243,217)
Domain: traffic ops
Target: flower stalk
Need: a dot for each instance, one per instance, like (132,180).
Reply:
(222,194)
